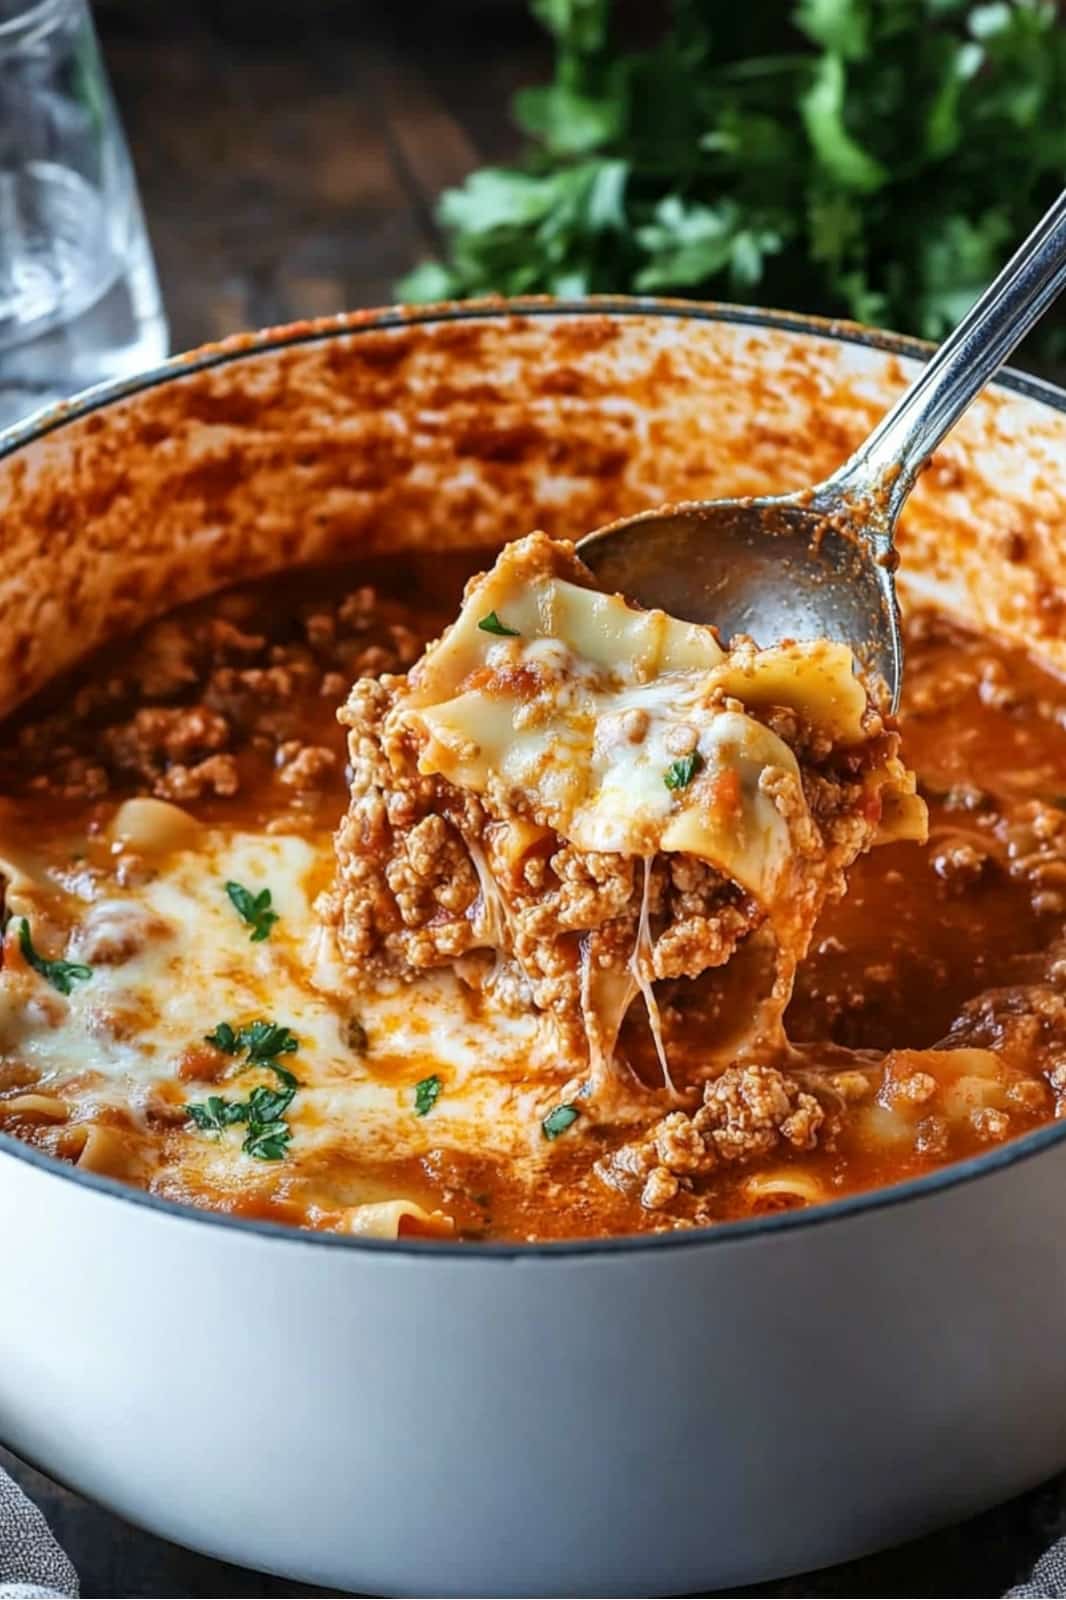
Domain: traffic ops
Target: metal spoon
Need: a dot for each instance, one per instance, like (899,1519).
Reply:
(819,564)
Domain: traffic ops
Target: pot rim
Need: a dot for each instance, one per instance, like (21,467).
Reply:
(236,348)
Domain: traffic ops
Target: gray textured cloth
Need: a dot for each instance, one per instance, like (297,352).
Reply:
(1047,1581)
(31,1562)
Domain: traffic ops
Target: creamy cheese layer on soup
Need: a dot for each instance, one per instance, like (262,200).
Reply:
(512,959)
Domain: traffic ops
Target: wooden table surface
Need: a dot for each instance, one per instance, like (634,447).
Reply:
(288,153)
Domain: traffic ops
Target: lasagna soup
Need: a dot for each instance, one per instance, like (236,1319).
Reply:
(347,901)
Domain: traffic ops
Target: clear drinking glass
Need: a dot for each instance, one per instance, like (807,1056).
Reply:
(79,298)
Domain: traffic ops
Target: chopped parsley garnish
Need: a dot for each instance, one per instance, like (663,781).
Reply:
(265,1040)
(214,1113)
(557,1121)
(62,975)
(224,1038)
(427,1093)
(492,624)
(268,1135)
(254,909)
(680,773)
(270,1105)
(264,1110)
(269,1143)
(283,1075)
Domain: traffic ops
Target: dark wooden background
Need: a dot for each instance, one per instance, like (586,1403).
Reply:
(288,155)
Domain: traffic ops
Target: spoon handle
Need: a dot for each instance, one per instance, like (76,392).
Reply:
(882,472)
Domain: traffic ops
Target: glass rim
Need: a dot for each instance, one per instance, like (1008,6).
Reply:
(32,19)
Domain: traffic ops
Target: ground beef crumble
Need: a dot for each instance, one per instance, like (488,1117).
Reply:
(206,704)
(1034,837)
(746,1113)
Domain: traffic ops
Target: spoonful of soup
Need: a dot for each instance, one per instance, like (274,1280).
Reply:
(820,563)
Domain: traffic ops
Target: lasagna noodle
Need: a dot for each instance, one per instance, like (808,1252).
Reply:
(784,1187)
(388,1219)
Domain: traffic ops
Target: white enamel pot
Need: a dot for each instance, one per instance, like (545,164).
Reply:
(651,1416)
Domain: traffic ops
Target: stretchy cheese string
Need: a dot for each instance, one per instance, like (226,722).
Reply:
(642,952)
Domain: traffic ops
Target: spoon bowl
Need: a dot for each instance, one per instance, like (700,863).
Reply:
(820,563)
(773,569)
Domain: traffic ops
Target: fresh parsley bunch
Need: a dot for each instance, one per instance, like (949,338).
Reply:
(869,158)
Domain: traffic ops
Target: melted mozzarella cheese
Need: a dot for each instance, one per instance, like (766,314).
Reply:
(187,963)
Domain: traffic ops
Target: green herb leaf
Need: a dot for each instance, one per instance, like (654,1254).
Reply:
(62,975)
(842,26)
(840,155)
(427,1093)
(266,1040)
(214,1113)
(429,281)
(224,1038)
(269,1105)
(578,24)
(569,123)
(680,773)
(557,1121)
(687,244)
(254,909)
(269,1142)
(492,624)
